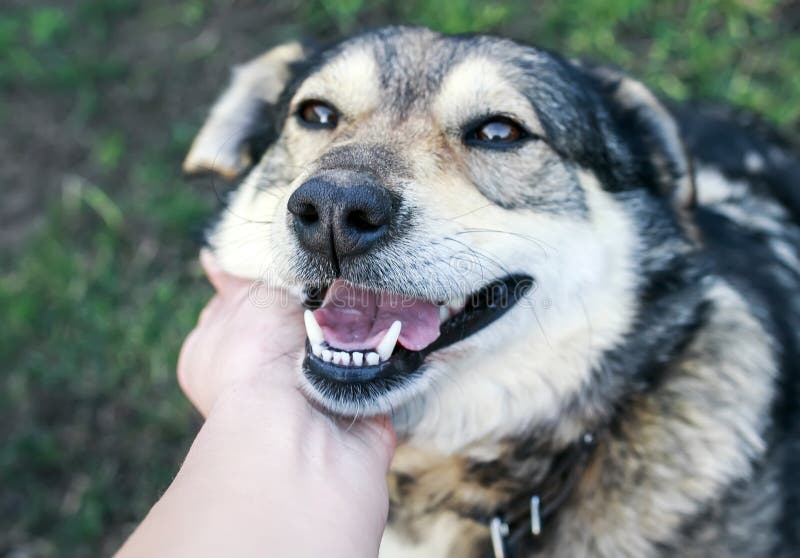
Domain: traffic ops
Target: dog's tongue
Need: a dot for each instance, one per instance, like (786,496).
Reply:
(353,318)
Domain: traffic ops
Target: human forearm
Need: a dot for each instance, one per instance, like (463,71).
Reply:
(248,488)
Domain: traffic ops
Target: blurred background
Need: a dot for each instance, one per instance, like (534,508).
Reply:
(99,231)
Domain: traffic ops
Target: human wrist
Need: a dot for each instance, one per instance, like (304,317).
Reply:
(304,463)
(279,425)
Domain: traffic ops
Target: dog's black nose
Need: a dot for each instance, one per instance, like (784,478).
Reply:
(340,214)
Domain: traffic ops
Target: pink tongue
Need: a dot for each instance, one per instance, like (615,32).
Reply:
(353,318)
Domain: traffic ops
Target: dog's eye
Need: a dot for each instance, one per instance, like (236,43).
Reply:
(496,132)
(318,114)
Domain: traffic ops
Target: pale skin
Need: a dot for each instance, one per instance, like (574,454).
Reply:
(268,474)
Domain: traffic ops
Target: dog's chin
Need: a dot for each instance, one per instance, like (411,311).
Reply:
(350,386)
(383,398)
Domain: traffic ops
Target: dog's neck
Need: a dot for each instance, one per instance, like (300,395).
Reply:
(507,497)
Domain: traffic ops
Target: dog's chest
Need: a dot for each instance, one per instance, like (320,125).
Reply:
(435,500)
(434,536)
(425,490)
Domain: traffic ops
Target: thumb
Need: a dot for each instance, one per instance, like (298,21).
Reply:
(379,435)
(221,281)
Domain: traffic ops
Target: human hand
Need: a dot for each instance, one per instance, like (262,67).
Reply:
(236,341)
(268,473)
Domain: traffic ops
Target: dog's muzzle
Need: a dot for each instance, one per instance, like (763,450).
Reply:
(362,343)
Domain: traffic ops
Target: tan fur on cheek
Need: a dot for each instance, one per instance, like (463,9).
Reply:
(251,239)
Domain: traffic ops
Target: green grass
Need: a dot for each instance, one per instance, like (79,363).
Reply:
(93,315)
(96,301)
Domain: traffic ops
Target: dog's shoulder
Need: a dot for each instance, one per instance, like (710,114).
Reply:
(748,210)
(736,153)
(748,207)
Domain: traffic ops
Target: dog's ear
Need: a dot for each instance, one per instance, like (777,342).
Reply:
(651,133)
(237,130)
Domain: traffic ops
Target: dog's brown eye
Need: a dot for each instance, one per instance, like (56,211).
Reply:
(318,114)
(499,131)
(496,132)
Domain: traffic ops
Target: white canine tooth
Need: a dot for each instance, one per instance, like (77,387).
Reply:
(313,330)
(386,346)
(457,304)
(358,358)
(327,355)
(444,314)
(344,358)
(317,350)
(372,358)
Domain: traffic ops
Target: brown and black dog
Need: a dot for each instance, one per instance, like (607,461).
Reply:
(580,307)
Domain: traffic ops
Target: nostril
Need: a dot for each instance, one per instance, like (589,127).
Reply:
(340,215)
(307,214)
(361,222)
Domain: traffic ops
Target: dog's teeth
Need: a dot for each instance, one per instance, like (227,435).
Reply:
(372,358)
(386,346)
(327,355)
(317,350)
(358,358)
(313,330)
(344,358)
(457,304)
(444,314)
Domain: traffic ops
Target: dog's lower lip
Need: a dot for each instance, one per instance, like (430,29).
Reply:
(482,308)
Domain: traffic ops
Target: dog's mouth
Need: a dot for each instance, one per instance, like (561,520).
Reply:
(362,343)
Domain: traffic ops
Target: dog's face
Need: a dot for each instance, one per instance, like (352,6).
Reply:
(456,205)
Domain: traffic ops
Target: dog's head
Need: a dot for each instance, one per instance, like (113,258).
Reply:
(461,208)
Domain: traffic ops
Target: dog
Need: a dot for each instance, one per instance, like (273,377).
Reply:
(579,304)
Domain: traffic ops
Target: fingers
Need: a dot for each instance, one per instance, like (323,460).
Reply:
(183,365)
(190,377)
(389,438)
(380,436)
(208,310)
(222,282)
(212,269)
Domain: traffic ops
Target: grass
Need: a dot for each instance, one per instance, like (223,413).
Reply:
(97,298)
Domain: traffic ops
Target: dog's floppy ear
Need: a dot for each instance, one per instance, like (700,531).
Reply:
(651,132)
(236,129)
